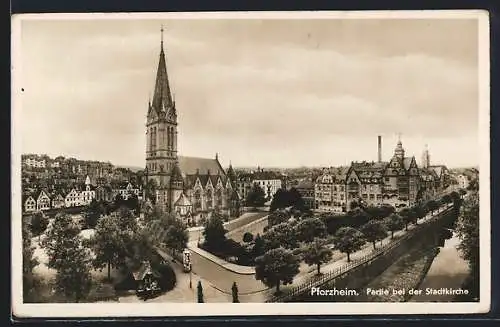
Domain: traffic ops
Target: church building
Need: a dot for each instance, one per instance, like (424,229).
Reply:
(191,187)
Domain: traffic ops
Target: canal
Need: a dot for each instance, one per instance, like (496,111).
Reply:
(428,272)
(447,271)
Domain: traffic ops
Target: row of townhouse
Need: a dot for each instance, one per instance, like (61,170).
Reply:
(43,199)
(71,165)
(399,182)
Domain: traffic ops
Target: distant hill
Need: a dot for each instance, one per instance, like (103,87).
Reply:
(133,168)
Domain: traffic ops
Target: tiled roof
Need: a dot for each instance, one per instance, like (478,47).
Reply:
(305,183)
(144,270)
(202,166)
(407,162)
(183,201)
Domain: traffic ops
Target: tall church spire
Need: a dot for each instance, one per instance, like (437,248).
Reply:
(162,97)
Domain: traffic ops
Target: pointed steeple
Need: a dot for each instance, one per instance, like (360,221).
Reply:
(162,97)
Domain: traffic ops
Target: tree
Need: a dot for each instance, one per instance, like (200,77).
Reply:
(214,232)
(29,263)
(200,292)
(69,257)
(307,230)
(139,249)
(446,199)
(256,197)
(420,212)
(73,277)
(282,235)
(92,214)
(39,223)
(468,233)
(109,244)
(296,200)
(247,237)
(176,236)
(132,203)
(317,253)
(374,231)
(432,206)
(406,215)
(276,266)
(394,223)
(348,240)
(280,200)
(61,237)
(278,217)
(258,246)
(234,290)
(126,219)
(119,201)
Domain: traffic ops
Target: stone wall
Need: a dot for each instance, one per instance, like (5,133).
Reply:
(255,227)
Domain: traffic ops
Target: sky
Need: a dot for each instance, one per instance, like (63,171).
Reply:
(259,92)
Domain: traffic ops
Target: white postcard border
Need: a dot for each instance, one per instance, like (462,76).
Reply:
(106,310)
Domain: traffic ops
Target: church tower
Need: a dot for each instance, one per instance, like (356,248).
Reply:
(161,133)
(426,158)
(399,152)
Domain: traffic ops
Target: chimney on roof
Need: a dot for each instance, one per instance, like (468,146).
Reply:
(379,148)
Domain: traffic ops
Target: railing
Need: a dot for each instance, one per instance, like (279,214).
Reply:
(318,280)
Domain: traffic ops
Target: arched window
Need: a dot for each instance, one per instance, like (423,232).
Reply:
(209,199)
(197,200)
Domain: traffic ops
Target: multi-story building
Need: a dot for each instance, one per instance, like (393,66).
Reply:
(126,190)
(306,189)
(104,193)
(73,198)
(268,181)
(330,190)
(34,161)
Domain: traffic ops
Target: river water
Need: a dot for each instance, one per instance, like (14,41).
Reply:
(448,270)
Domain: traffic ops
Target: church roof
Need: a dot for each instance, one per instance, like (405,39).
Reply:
(201,166)
(437,169)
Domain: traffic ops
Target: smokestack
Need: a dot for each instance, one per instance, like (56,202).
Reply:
(379,148)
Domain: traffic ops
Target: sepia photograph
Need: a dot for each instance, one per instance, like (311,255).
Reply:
(264,163)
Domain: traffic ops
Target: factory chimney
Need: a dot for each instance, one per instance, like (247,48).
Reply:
(379,148)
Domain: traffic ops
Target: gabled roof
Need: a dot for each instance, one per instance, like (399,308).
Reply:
(407,162)
(183,201)
(144,270)
(202,166)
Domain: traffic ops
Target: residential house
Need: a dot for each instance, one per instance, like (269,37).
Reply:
(29,203)
(57,200)
(43,201)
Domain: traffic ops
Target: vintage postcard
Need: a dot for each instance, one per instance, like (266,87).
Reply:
(264,163)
